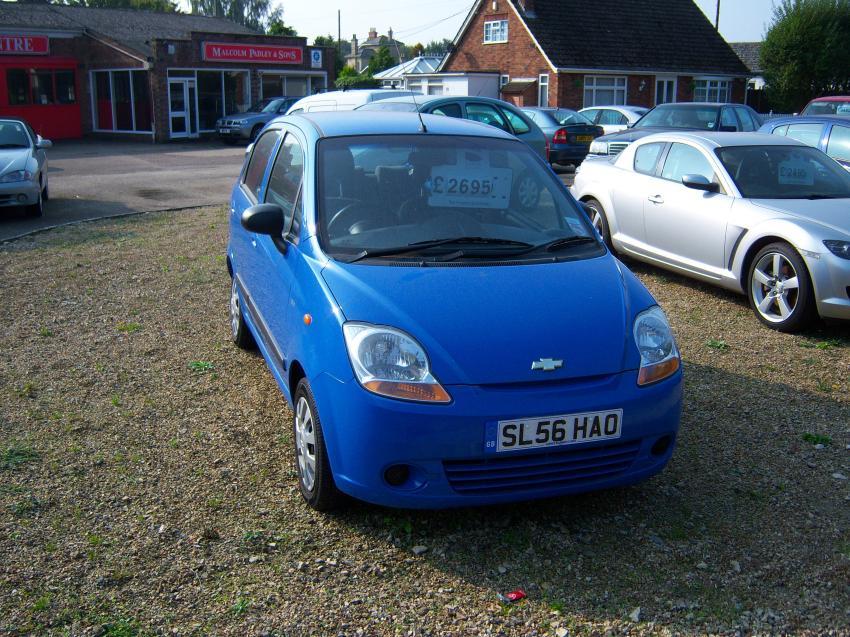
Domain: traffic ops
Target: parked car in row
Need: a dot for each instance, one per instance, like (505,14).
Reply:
(697,116)
(370,258)
(245,126)
(762,215)
(833,105)
(344,100)
(486,110)
(569,133)
(23,167)
(830,134)
(614,119)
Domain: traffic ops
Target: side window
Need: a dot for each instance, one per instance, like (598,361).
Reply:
(839,143)
(727,120)
(809,134)
(592,114)
(780,130)
(517,124)
(611,118)
(263,148)
(646,158)
(486,114)
(747,123)
(449,110)
(686,160)
(285,179)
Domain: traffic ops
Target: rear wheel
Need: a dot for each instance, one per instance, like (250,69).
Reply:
(599,221)
(315,479)
(780,289)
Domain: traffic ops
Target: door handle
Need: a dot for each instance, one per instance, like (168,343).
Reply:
(656,199)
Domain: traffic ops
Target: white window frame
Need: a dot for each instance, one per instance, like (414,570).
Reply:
(667,78)
(504,79)
(112,101)
(221,70)
(712,89)
(543,83)
(590,82)
(495,31)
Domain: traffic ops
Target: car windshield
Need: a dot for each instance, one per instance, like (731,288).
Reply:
(565,117)
(444,198)
(841,108)
(785,172)
(681,116)
(266,106)
(13,135)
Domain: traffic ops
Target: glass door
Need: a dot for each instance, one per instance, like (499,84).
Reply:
(182,114)
(665,90)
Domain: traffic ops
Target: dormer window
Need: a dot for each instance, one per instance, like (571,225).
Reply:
(495,31)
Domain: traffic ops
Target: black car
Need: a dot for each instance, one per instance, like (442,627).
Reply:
(691,116)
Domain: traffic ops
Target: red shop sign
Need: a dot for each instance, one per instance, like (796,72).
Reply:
(256,53)
(24,44)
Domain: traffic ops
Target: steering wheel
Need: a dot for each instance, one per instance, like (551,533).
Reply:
(348,216)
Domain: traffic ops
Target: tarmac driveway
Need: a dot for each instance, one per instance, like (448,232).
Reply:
(91,179)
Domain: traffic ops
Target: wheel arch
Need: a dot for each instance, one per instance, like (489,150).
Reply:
(296,373)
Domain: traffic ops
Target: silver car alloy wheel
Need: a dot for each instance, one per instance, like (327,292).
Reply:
(596,220)
(234,310)
(305,443)
(775,287)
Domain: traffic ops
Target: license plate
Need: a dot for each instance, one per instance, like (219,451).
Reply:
(584,139)
(224,131)
(553,431)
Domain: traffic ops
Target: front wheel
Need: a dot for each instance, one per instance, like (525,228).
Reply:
(599,221)
(780,289)
(37,209)
(254,132)
(315,479)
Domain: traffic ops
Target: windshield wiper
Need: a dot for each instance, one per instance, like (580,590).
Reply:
(432,243)
(564,242)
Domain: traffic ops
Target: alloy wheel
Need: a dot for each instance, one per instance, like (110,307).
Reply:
(775,287)
(305,443)
(234,310)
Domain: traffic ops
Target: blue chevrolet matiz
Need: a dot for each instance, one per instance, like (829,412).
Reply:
(446,324)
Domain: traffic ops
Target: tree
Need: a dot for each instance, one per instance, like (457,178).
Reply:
(381,61)
(255,14)
(340,51)
(417,49)
(165,6)
(438,47)
(277,27)
(805,52)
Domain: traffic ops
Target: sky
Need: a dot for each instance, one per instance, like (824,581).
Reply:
(415,21)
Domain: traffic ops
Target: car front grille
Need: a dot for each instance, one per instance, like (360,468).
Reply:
(615,148)
(230,122)
(530,472)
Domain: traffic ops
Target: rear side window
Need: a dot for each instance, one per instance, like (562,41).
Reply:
(263,148)
(517,124)
(592,114)
(780,130)
(839,143)
(646,158)
(686,160)
(612,118)
(728,121)
(487,115)
(747,123)
(285,179)
(449,110)
(809,134)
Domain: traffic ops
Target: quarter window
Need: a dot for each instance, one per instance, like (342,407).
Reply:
(516,121)
(727,120)
(839,143)
(486,114)
(496,31)
(449,110)
(646,158)
(285,180)
(747,123)
(711,90)
(809,134)
(263,148)
(604,90)
(612,118)
(686,160)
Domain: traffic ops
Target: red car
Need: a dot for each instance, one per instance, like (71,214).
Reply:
(835,105)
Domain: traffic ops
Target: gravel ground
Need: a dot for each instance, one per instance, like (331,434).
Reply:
(147,485)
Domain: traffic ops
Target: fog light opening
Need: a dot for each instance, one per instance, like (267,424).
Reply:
(661,445)
(397,475)
(22,198)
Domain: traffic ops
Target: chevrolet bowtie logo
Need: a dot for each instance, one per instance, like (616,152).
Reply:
(547,364)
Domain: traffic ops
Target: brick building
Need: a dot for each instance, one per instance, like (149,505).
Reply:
(73,71)
(580,53)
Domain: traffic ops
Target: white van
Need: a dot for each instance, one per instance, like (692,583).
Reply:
(344,100)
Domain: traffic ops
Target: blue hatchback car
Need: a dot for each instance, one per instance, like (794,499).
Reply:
(447,325)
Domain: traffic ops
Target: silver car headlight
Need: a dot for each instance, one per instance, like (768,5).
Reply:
(16,175)
(598,148)
(839,248)
(391,363)
(659,356)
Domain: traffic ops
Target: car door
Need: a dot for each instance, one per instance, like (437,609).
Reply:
(838,144)
(684,227)
(629,194)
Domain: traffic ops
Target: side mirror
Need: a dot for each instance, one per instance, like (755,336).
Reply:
(699,182)
(42,144)
(264,218)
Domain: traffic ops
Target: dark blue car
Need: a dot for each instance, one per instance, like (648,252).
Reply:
(831,134)
(446,324)
(568,132)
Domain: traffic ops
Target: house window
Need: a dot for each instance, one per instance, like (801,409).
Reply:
(121,101)
(604,90)
(496,31)
(504,79)
(543,90)
(707,90)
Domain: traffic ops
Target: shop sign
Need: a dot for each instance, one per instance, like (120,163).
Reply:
(253,53)
(24,44)
(315,58)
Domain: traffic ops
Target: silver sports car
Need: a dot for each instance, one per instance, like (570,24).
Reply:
(23,166)
(758,214)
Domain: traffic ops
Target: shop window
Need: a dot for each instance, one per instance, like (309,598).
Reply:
(210,99)
(122,101)
(296,86)
(41,83)
(236,94)
(272,86)
(102,101)
(142,101)
(65,90)
(317,85)
(18,86)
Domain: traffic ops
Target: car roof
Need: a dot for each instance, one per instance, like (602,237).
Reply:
(718,140)
(427,99)
(808,119)
(352,123)
(832,98)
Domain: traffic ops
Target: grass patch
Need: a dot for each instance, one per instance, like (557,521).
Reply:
(201,367)
(16,455)
(128,327)
(821,345)
(240,607)
(718,344)
(816,439)
(45,333)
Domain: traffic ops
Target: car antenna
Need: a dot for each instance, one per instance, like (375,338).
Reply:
(422,127)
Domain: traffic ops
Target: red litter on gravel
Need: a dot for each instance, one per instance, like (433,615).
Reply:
(513,596)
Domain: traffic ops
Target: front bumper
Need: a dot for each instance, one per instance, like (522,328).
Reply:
(444,445)
(19,193)
(831,279)
(233,132)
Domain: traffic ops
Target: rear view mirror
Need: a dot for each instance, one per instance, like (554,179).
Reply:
(264,218)
(699,182)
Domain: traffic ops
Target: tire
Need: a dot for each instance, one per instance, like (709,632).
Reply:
(600,222)
(36,209)
(45,192)
(780,289)
(315,479)
(254,132)
(240,334)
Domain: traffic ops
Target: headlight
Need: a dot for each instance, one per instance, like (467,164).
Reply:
(16,175)
(839,248)
(659,357)
(598,148)
(241,122)
(388,362)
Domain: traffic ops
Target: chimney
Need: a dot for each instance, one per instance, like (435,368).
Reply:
(354,45)
(373,33)
(390,34)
